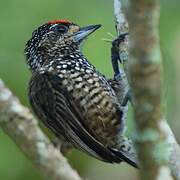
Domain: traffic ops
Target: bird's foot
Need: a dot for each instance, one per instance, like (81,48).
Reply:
(115,55)
(119,56)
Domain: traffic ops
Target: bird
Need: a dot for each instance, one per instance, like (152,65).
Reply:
(71,97)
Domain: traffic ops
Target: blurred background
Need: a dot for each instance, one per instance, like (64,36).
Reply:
(19,18)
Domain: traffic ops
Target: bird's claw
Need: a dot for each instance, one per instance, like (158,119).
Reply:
(115,56)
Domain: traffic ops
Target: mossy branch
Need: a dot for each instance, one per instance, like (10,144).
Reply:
(156,144)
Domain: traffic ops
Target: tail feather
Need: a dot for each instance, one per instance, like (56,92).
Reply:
(124,156)
(125,151)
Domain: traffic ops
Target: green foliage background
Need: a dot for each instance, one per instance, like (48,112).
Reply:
(18,18)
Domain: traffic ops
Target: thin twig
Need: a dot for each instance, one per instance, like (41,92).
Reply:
(122,27)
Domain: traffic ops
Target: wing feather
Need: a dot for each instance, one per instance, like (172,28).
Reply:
(54,105)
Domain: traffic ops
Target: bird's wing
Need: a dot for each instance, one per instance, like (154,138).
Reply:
(56,108)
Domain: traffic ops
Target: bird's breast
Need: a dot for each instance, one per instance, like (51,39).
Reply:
(94,99)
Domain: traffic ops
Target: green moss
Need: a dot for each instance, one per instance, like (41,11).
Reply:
(161,152)
(147,107)
(147,135)
(156,56)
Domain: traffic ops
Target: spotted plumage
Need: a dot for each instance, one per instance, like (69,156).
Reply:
(70,95)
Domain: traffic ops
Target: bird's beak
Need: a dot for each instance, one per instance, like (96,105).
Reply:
(84,32)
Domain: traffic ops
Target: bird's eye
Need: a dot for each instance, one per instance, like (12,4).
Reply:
(60,29)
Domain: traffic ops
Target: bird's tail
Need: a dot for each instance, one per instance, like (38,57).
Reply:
(125,151)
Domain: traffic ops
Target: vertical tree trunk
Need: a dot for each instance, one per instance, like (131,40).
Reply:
(155,140)
(146,84)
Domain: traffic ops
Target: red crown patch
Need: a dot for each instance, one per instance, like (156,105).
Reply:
(59,21)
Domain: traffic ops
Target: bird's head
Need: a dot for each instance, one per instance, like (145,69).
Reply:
(59,37)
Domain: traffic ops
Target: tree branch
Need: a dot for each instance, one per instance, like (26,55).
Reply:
(154,134)
(145,80)
(17,121)
(122,27)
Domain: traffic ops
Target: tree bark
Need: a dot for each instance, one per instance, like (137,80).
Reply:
(156,145)
(146,84)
